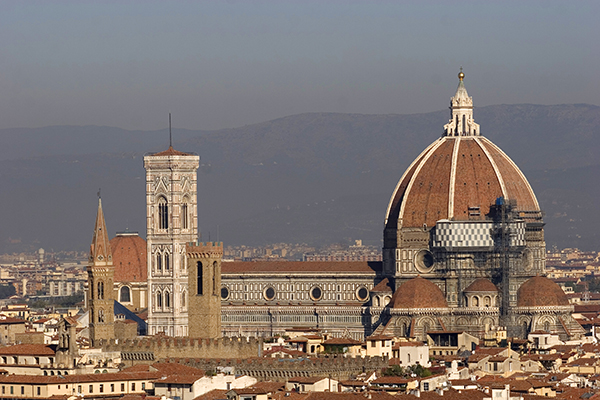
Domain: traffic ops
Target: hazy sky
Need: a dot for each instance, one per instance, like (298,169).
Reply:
(218,64)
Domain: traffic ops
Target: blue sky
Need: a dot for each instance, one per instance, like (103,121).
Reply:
(219,64)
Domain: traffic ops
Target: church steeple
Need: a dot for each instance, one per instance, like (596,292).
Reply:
(100,251)
(461,117)
(100,296)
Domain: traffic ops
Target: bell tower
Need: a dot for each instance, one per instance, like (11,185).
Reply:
(100,283)
(171,222)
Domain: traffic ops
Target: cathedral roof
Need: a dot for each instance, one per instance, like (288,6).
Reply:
(418,293)
(481,285)
(540,291)
(100,248)
(129,257)
(383,286)
(459,176)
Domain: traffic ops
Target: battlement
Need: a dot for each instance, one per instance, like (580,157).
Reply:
(280,369)
(204,249)
(164,347)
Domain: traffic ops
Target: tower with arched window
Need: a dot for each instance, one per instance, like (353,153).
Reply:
(101,272)
(171,222)
(204,295)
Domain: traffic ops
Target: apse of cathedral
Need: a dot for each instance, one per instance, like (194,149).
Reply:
(463,251)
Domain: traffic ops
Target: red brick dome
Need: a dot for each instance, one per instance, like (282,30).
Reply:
(457,178)
(129,257)
(540,291)
(418,293)
(481,285)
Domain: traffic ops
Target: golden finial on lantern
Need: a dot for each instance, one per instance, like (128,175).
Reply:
(461,74)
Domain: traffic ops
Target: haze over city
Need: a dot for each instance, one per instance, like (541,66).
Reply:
(223,64)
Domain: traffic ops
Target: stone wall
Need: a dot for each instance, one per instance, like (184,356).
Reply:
(169,347)
(265,369)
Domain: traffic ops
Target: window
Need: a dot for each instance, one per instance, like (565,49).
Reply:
(100,290)
(184,216)
(159,262)
(167,262)
(22,389)
(158,299)
(167,299)
(79,390)
(12,390)
(112,387)
(39,391)
(163,213)
(425,386)
(199,278)
(122,387)
(3,390)
(91,389)
(214,279)
(132,386)
(373,343)
(125,294)
(144,386)
(101,388)
(100,315)
(183,298)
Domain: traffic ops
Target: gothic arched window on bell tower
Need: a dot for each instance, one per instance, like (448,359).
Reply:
(167,262)
(167,299)
(159,300)
(100,290)
(184,215)
(199,278)
(159,262)
(163,213)
(214,279)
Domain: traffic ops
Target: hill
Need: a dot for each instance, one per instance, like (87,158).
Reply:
(314,178)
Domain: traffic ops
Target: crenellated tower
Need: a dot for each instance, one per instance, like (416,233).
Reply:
(100,283)
(171,222)
(204,260)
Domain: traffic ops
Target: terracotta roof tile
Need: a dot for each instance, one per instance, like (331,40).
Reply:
(541,291)
(383,287)
(27,349)
(418,293)
(171,152)
(129,258)
(481,285)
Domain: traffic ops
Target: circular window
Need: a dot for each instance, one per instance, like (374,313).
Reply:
(224,292)
(424,261)
(316,293)
(362,293)
(269,293)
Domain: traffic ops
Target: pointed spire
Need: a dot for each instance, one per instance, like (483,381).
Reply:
(461,105)
(100,248)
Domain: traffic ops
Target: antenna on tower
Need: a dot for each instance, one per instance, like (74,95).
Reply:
(170,134)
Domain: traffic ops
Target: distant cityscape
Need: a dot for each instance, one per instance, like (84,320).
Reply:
(64,273)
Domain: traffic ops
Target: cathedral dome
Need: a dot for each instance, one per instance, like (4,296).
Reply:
(540,291)
(418,293)
(129,257)
(481,285)
(459,176)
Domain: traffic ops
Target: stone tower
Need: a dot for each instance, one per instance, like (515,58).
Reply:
(204,263)
(100,283)
(171,222)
